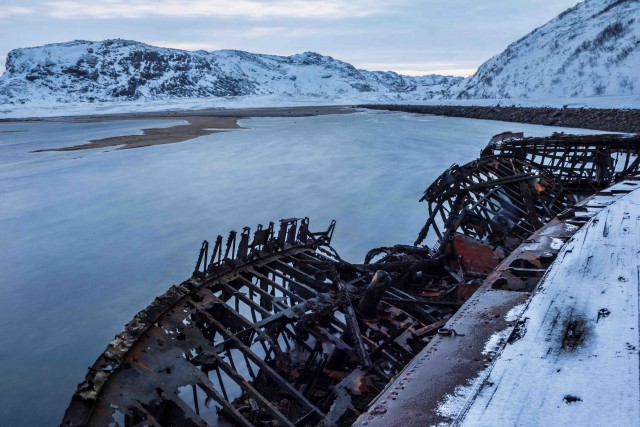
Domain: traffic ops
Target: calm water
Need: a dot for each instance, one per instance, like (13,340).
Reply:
(88,238)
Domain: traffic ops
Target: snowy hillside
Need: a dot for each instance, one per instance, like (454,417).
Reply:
(114,70)
(587,56)
(592,49)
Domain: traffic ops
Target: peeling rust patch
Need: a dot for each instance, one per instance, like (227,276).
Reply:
(576,331)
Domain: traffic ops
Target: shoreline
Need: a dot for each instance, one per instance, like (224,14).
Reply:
(605,119)
(210,121)
(199,123)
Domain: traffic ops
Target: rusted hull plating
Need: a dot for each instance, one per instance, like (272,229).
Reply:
(275,328)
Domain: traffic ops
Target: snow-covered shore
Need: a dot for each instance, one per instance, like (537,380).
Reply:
(52,109)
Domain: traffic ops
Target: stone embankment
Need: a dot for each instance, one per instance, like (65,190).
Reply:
(612,120)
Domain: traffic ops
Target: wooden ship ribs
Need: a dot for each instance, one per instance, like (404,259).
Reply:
(274,328)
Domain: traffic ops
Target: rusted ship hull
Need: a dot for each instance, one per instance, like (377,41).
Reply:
(274,328)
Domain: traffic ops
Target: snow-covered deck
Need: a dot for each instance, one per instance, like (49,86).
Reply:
(575,360)
(565,354)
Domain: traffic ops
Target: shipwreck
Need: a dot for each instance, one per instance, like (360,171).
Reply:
(274,328)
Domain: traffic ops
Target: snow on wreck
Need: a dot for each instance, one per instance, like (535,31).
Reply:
(274,328)
(574,357)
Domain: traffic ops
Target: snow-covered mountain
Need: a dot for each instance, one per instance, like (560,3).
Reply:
(113,70)
(592,49)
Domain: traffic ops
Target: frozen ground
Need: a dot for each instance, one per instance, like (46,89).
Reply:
(91,237)
(47,109)
(577,363)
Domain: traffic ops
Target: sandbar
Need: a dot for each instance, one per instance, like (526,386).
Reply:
(199,123)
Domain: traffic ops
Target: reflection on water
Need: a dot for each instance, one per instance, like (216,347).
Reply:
(88,238)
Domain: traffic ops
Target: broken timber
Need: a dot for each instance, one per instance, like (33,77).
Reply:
(275,328)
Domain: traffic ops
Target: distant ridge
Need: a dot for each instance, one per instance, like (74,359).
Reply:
(114,70)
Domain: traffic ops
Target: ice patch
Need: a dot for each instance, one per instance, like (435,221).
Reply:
(515,313)
(493,344)
(453,404)
(556,243)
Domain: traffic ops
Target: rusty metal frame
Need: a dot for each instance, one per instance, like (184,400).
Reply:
(497,199)
(583,164)
(248,333)
(275,328)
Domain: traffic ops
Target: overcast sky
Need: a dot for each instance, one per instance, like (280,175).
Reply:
(407,36)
